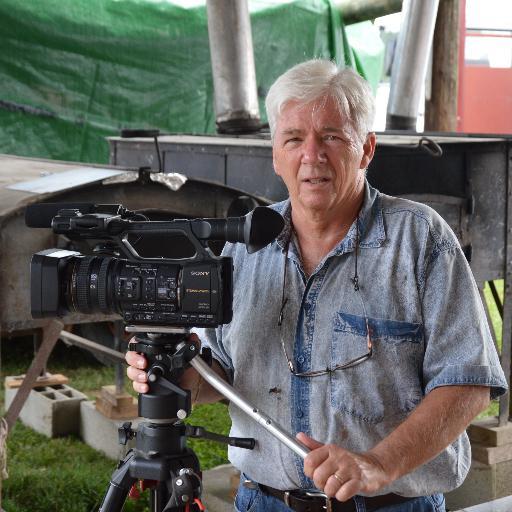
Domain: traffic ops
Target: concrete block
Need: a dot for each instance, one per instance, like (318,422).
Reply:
(484,483)
(504,479)
(490,475)
(218,488)
(501,505)
(100,432)
(491,454)
(50,410)
(479,487)
(488,432)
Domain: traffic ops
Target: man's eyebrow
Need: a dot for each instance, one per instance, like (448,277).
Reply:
(291,131)
(324,129)
(333,129)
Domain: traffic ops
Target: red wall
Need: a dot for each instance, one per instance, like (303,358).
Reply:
(485,104)
(485,94)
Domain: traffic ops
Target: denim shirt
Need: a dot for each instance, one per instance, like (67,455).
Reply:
(426,322)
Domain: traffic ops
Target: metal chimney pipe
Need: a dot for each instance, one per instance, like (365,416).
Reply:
(234,74)
(410,64)
(354,11)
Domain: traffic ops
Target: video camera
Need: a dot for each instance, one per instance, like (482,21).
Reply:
(162,298)
(195,291)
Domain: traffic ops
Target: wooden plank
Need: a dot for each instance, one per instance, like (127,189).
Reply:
(116,405)
(15,381)
(108,393)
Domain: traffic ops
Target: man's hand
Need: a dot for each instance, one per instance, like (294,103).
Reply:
(435,423)
(137,365)
(355,472)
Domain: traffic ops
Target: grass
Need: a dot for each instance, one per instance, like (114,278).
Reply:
(55,474)
(65,474)
(493,409)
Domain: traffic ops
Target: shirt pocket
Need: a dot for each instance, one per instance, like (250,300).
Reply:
(388,384)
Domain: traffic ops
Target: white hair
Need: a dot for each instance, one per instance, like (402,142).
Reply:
(321,79)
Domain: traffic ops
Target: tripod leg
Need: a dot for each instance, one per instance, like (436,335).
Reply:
(159,497)
(119,487)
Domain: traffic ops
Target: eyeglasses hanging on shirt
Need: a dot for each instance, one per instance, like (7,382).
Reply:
(357,291)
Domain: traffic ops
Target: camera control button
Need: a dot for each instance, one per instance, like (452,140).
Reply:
(162,293)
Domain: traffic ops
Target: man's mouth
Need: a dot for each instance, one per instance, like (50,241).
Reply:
(316,181)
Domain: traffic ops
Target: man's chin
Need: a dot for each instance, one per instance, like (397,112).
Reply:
(318,203)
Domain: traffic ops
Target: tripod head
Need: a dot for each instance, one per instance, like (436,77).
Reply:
(168,351)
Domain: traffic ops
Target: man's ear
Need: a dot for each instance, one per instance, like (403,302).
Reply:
(368,150)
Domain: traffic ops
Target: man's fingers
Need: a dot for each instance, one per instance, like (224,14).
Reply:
(136,375)
(333,484)
(311,443)
(134,359)
(139,379)
(348,489)
(140,388)
(315,457)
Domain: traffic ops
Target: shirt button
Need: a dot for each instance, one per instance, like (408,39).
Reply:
(300,414)
(300,359)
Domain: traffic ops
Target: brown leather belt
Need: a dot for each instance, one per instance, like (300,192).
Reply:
(304,501)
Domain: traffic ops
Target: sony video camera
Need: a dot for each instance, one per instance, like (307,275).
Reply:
(195,291)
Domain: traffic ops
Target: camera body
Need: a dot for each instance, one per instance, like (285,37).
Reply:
(114,278)
(161,293)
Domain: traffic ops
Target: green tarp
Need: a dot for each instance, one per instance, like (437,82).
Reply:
(75,71)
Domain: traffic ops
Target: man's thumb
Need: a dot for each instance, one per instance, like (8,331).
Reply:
(308,441)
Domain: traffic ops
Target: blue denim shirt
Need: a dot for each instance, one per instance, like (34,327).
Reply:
(426,321)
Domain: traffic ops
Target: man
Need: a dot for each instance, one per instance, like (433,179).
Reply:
(360,328)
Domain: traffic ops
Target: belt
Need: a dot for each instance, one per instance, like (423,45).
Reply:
(305,501)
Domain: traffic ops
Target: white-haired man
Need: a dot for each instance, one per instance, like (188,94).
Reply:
(360,327)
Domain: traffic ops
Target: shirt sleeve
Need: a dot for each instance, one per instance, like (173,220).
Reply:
(459,349)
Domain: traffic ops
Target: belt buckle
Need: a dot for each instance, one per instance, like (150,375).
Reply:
(328,501)
(287,498)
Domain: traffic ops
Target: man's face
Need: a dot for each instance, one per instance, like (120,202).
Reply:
(319,157)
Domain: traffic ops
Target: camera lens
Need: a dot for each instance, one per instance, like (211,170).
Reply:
(89,284)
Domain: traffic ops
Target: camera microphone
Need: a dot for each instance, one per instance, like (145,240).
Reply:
(40,215)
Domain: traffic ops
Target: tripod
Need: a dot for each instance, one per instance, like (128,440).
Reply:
(161,458)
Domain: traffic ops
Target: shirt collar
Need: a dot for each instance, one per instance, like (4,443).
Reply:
(370,223)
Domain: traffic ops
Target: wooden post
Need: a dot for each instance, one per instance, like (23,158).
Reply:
(441,109)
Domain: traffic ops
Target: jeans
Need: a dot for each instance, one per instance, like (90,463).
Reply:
(254,500)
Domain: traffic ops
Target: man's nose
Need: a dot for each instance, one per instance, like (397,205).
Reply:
(313,151)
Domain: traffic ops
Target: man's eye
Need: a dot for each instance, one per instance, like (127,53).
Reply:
(292,140)
(331,138)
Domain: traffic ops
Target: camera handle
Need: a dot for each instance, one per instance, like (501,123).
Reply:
(236,398)
(233,395)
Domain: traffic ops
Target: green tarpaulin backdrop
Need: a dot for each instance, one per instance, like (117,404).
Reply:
(75,71)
